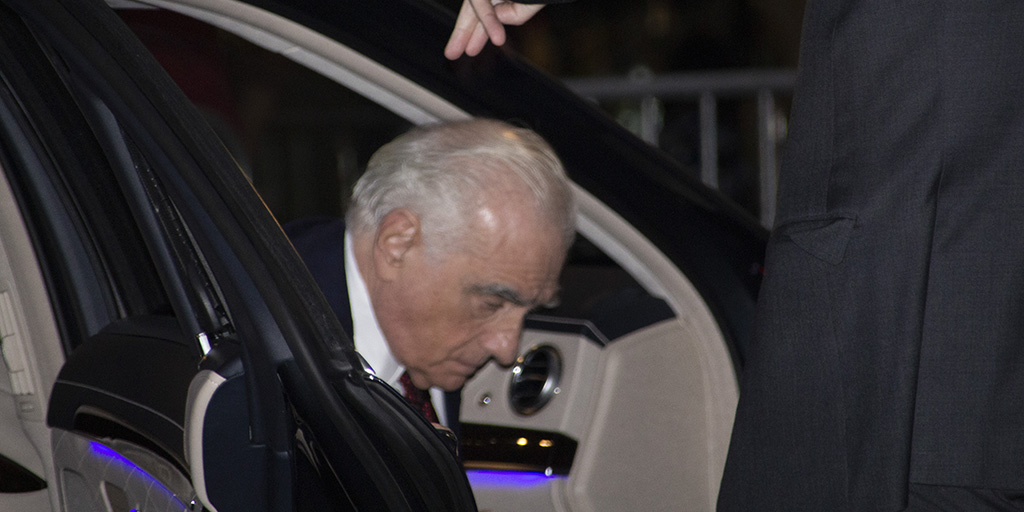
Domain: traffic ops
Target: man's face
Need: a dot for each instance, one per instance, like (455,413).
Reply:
(445,317)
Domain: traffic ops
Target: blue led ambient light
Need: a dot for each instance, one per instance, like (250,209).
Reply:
(127,467)
(102,451)
(517,479)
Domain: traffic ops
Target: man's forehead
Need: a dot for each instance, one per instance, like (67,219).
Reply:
(510,211)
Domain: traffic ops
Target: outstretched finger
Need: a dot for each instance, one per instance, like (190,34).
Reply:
(477,41)
(465,24)
(485,14)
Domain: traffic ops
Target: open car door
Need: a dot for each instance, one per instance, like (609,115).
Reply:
(199,365)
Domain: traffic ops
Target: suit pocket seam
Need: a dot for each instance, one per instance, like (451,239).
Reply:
(823,236)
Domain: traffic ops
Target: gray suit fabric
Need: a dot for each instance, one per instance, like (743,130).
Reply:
(888,345)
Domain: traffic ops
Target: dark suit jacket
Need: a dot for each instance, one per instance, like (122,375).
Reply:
(888,343)
(319,240)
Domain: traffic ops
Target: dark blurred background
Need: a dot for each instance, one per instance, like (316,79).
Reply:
(682,44)
(609,37)
(303,139)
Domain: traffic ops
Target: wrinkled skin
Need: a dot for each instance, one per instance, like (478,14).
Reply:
(445,316)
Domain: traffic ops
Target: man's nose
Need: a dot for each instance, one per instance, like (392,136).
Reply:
(503,342)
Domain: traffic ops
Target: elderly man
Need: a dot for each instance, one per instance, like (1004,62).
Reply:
(454,233)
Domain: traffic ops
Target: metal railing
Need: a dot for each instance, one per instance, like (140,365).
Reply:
(707,89)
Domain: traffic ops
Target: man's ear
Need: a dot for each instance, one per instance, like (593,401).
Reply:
(398,233)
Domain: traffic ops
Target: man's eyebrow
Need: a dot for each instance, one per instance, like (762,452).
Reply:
(510,294)
(505,292)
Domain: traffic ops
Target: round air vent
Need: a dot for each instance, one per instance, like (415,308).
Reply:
(535,379)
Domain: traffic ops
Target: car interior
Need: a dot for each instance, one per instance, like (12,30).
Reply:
(622,397)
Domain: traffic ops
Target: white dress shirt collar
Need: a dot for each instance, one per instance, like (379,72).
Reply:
(369,339)
(366,333)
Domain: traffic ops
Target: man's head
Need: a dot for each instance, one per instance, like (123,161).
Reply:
(459,230)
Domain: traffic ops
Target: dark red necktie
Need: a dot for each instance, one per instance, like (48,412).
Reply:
(418,398)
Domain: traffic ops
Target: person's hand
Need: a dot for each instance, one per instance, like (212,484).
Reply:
(480,20)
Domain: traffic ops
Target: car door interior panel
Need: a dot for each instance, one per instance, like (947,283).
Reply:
(597,415)
(97,475)
(130,382)
(27,326)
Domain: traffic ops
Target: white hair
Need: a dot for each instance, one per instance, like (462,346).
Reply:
(439,171)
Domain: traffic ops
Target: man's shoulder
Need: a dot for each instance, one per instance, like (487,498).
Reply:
(320,241)
(314,228)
